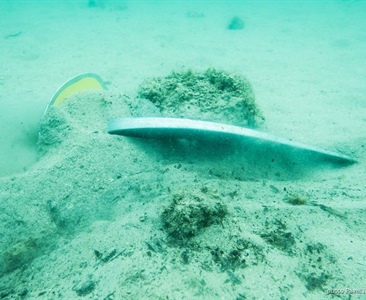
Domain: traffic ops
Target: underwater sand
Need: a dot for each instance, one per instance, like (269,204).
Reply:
(84,219)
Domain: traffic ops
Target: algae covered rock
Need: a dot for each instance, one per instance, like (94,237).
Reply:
(19,255)
(188,214)
(211,96)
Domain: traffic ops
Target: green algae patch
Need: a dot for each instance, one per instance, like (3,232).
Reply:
(189,214)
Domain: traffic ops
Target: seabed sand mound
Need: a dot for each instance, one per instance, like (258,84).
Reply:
(212,95)
(90,219)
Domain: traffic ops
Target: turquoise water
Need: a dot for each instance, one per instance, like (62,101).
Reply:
(87,214)
(285,48)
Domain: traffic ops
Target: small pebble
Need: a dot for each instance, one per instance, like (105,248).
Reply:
(85,288)
(236,24)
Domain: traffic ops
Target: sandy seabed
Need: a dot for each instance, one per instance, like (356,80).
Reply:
(81,210)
